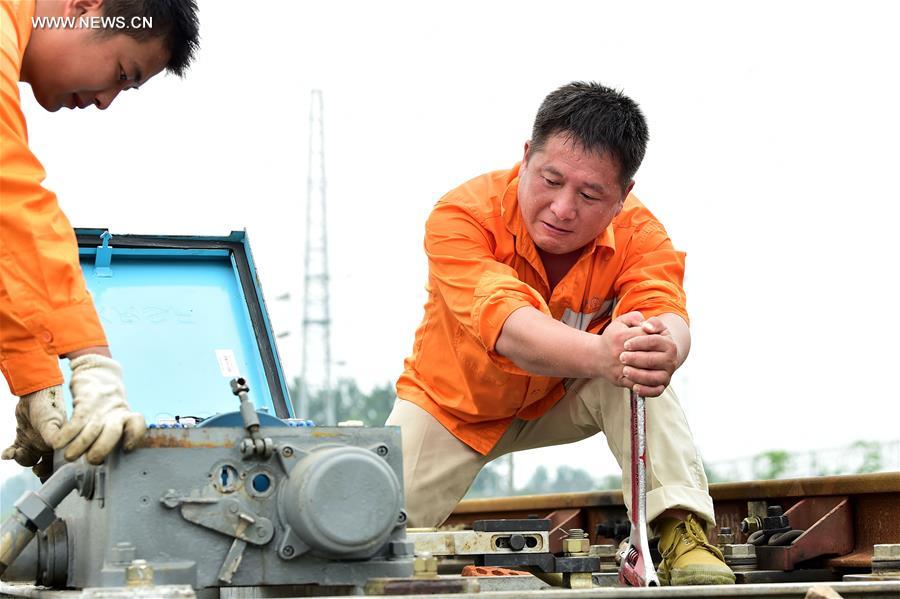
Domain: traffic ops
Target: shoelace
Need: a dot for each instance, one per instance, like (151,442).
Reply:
(691,533)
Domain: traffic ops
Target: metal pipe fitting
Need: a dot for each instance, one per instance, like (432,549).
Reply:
(35,510)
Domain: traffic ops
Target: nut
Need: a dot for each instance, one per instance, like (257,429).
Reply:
(576,546)
(425,565)
(122,553)
(888,552)
(138,574)
(725,537)
(751,524)
(401,548)
(33,507)
(602,551)
(741,550)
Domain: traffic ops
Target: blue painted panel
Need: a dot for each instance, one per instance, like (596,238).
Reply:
(166,314)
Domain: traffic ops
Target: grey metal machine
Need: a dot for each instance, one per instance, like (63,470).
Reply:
(244,499)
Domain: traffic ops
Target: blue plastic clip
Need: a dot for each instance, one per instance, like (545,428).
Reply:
(103,259)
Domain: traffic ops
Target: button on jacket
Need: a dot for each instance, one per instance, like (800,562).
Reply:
(45,308)
(482,265)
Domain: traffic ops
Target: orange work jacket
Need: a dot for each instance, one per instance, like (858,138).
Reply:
(482,265)
(45,308)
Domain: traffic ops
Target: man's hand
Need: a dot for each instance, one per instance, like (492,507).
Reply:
(612,345)
(101,415)
(649,360)
(39,416)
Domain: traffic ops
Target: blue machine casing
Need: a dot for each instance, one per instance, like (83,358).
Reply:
(183,315)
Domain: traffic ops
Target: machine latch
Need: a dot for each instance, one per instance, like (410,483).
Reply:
(103,259)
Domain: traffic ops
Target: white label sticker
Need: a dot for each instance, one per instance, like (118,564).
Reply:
(227,362)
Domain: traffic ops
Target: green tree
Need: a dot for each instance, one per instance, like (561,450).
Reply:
(565,479)
(572,480)
(771,464)
(711,475)
(538,483)
(610,482)
(490,482)
(350,403)
(872,460)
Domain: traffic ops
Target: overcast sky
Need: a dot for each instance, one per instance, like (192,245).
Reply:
(772,163)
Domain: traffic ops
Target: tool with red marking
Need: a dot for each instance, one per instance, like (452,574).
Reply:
(637,567)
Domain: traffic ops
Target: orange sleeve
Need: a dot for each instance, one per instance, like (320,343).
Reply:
(480,291)
(43,296)
(651,280)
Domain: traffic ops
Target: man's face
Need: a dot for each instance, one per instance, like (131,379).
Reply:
(75,68)
(567,195)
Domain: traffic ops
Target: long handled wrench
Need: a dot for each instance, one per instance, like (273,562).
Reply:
(637,567)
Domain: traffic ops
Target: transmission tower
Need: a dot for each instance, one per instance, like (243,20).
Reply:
(316,366)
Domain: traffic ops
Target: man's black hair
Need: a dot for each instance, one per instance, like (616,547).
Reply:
(175,21)
(600,119)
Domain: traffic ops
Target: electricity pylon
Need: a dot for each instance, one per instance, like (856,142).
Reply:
(316,366)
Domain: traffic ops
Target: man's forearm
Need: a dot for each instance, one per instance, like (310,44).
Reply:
(541,345)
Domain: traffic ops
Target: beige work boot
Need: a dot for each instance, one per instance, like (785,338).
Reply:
(687,557)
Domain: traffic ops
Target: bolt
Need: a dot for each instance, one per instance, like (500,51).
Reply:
(887,552)
(516,542)
(402,517)
(577,543)
(741,550)
(726,537)
(260,531)
(287,451)
(287,551)
(425,565)
(740,558)
(247,447)
(775,519)
(750,524)
(401,548)
(602,551)
(381,450)
(138,574)
(122,553)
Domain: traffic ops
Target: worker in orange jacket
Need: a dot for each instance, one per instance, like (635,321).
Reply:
(73,53)
(552,292)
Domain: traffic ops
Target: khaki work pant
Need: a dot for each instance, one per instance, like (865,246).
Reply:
(438,468)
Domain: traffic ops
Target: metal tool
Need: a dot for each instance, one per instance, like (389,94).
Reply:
(637,567)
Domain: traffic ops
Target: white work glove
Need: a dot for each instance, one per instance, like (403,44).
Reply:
(100,414)
(39,416)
